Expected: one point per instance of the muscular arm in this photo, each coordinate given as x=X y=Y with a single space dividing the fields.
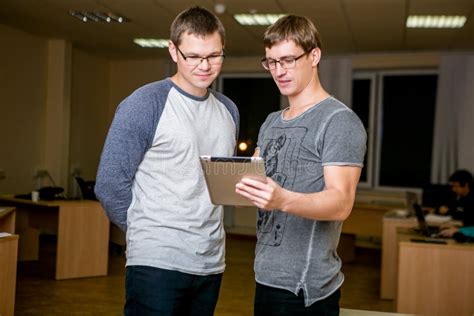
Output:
x=334 y=203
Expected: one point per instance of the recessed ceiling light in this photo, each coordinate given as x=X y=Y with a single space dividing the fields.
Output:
x=90 y=16
x=151 y=42
x=257 y=19
x=436 y=21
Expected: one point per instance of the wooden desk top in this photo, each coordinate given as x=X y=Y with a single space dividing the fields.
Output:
x=8 y=238
x=10 y=199
x=375 y=206
x=4 y=211
x=406 y=234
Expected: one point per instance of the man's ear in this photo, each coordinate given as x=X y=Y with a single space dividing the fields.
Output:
x=173 y=51
x=316 y=56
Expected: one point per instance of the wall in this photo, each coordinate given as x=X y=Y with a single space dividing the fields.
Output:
x=128 y=75
x=23 y=73
x=90 y=113
x=97 y=87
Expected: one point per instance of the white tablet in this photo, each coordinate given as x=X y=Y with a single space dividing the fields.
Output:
x=223 y=173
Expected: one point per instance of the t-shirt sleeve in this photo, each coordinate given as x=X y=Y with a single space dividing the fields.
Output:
x=344 y=140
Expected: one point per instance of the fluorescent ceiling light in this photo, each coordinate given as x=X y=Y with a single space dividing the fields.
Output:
x=436 y=21
x=91 y=16
x=257 y=19
x=151 y=42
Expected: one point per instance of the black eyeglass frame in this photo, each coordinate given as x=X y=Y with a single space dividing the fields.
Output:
x=200 y=58
x=266 y=65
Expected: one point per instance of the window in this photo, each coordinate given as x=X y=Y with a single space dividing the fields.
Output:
x=256 y=96
x=399 y=125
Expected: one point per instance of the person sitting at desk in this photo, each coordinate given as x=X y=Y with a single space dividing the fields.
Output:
x=462 y=208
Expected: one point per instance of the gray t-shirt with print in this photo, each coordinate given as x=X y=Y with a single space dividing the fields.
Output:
x=292 y=252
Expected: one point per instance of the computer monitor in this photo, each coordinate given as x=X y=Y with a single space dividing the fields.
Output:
x=411 y=199
x=435 y=195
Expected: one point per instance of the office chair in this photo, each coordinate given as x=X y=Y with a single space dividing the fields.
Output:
x=87 y=188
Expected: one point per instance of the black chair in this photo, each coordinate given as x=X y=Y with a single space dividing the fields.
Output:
x=87 y=188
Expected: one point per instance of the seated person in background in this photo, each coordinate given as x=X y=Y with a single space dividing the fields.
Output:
x=462 y=208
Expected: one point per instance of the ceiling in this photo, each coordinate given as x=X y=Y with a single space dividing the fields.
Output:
x=346 y=26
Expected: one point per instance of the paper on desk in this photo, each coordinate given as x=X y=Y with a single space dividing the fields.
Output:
x=3 y=234
x=437 y=219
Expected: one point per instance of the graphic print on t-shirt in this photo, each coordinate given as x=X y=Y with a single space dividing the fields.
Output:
x=281 y=148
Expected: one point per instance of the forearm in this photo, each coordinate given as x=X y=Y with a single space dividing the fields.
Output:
x=115 y=198
x=327 y=205
x=333 y=203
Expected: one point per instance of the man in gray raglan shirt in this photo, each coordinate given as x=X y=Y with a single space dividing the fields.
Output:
x=150 y=180
x=313 y=153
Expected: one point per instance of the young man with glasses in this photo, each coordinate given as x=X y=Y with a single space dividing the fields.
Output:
x=313 y=152
x=150 y=180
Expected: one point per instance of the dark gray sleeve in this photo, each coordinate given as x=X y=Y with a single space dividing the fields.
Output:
x=344 y=140
x=129 y=137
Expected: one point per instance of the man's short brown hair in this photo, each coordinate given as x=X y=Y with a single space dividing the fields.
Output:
x=197 y=21
x=295 y=28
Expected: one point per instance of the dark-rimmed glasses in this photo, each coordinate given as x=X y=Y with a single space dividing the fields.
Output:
x=286 y=62
x=197 y=60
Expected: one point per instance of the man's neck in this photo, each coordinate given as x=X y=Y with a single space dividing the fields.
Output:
x=305 y=100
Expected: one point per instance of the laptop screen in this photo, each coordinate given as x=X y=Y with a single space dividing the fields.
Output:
x=411 y=199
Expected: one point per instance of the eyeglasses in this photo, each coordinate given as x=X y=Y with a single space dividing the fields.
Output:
x=197 y=60
x=285 y=62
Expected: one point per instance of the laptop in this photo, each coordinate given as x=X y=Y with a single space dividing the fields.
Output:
x=423 y=228
x=223 y=173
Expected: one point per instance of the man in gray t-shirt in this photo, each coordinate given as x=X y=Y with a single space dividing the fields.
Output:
x=313 y=152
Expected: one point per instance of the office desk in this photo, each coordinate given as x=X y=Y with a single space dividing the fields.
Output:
x=434 y=279
x=388 y=272
x=8 y=261
x=366 y=219
x=7 y=219
x=82 y=230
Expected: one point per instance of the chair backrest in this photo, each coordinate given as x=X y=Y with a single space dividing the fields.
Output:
x=87 y=188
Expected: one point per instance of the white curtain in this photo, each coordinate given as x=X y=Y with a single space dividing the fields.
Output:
x=453 y=145
x=336 y=77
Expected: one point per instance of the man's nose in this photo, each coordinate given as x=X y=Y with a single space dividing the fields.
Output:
x=204 y=64
x=279 y=69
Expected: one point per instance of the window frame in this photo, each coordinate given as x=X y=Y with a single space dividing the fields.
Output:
x=379 y=118
x=372 y=76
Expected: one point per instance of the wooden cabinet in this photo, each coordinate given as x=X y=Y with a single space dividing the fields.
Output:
x=8 y=261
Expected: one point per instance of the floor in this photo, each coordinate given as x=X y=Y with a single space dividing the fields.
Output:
x=39 y=294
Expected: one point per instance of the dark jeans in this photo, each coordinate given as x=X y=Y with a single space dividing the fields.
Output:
x=153 y=291
x=271 y=301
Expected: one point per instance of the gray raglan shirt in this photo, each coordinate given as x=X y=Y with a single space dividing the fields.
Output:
x=151 y=183
x=292 y=252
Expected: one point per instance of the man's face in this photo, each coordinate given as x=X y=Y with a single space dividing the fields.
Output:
x=460 y=190
x=293 y=81
x=195 y=79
